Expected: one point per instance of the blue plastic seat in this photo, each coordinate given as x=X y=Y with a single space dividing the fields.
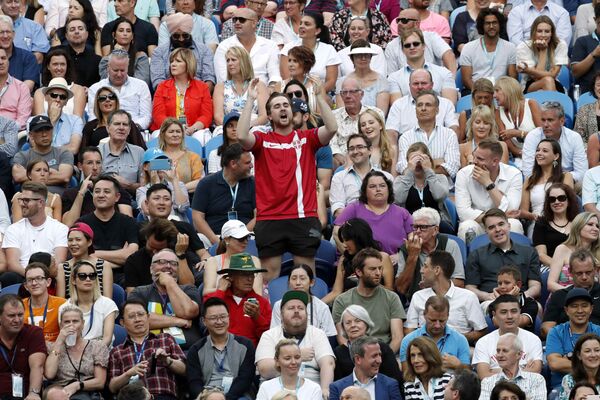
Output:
x=451 y=208
x=120 y=335
x=455 y=13
x=544 y=95
x=585 y=98
x=119 y=296
x=458 y=80
x=12 y=289
x=464 y=104
x=564 y=77
x=212 y=144
x=461 y=245
x=482 y=240
x=190 y=143
x=278 y=287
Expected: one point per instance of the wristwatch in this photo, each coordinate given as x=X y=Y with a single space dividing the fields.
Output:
x=490 y=186
x=35 y=391
x=181 y=256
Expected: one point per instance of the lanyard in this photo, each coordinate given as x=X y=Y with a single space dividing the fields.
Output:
x=233 y=193
x=222 y=362
x=5 y=355
x=164 y=301
x=77 y=369
x=297 y=384
x=587 y=330
x=91 y=320
x=443 y=340
x=491 y=59
x=139 y=353
x=44 y=317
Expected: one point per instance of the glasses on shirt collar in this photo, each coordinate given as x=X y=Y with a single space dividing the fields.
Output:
x=181 y=36
x=359 y=17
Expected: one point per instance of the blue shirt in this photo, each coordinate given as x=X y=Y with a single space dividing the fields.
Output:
x=453 y=343
x=159 y=63
x=66 y=126
x=324 y=158
x=561 y=341
x=30 y=35
x=23 y=66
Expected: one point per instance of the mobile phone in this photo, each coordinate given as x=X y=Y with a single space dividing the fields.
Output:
x=252 y=300
x=160 y=164
x=152 y=367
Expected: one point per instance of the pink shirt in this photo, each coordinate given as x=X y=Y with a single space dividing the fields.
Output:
x=436 y=23
x=15 y=101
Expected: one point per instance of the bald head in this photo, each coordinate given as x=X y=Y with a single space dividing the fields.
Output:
x=355 y=393
x=245 y=13
x=412 y=15
x=420 y=79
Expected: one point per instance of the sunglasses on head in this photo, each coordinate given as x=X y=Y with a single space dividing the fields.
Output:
x=181 y=36
x=106 y=97
x=296 y=93
x=411 y=44
x=554 y=199
x=82 y=276
x=58 y=96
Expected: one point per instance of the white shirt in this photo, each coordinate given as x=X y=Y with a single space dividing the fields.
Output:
x=4 y=214
x=134 y=97
x=325 y=56
x=465 y=313
x=441 y=76
x=472 y=199
x=442 y=143
x=403 y=114
x=283 y=33
x=30 y=239
x=485 y=348
x=309 y=390
x=590 y=192
x=264 y=56
x=435 y=48
x=520 y=19
x=369 y=386
x=378 y=62
x=103 y=308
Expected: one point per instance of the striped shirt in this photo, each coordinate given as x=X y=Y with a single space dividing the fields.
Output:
x=534 y=385
x=435 y=391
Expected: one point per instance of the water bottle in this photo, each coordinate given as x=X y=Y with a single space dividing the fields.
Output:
x=470 y=235
x=576 y=93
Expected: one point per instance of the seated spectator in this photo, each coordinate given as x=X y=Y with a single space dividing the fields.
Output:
x=464 y=385
x=581 y=390
x=424 y=373
x=115 y=234
x=366 y=355
x=583 y=235
x=17 y=102
x=361 y=29
x=41 y=309
x=34 y=12
x=374 y=85
x=375 y=205
x=96 y=130
x=8 y=135
x=509 y=350
x=586 y=124
x=21 y=63
x=403 y=113
x=72 y=348
x=384 y=154
x=230 y=96
x=506 y=312
x=27 y=347
x=83 y=11
x=35 y=232
x=80 y=244
x=582 y=265
x=521 y=19
x=287 y=359
x=345 y=185
x=133 y=93
x=481 y=125
x=414 y=51
x=180 y=29
x=484 y=262
x=506 y=388
x=78 y=201
x=58 y=64
x=263 y=52
x=169 y=101
x=130 y=362
x=222 y=358
x=561 y=206
x=584 y=368
x=38 y=171
x=453 y=346
x=211 y=206
x=77 y=36
x=203 y=30
x=145 y=32
x=173 y=307
x=465 y=27
x=302 y=277
x=585 y=20
x=57 y=278
x=512 y=128
x=590 y=196
x=150 y=177
x=482 y=93
x=560 y=343
x=251 y=316
x=372 y=296
x=483 y=185
x=28 y=35
x=124 y=39
x=229 y=135
x=464 y=315
x=424 y=240
x=584 y=64
x=286 y=29
x=99 y=312
x=265 y=25
x=342 y=19
x=319 y=364
x=59 y=12
x=547 y=170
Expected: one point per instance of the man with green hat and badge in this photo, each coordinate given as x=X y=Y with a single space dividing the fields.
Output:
x=249 y=312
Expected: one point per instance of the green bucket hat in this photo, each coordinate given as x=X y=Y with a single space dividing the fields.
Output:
x=241 y=262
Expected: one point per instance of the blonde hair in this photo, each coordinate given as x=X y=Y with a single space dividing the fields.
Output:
x=246 y=69
x=162 y=144
x=102 y=118
x=384 y=142
x=283 y=343
x=187 y=56
x=73 y=290
x=69 y=308
x=574 y=239
x=513 y=93
x=487 y=116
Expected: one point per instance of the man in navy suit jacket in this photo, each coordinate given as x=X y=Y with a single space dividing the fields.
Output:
x=367 y=359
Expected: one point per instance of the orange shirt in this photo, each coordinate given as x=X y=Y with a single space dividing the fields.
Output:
x=50 y=326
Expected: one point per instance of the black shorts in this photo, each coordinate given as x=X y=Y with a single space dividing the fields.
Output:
x=301 y=237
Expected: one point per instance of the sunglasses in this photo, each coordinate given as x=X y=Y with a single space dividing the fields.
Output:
x=181 y=36
x=296 y=93
x=554 y=199
x=106 y=97
x=58 y=96
x=411 y=44
x=82 y=276
x=405 y=20
x=241 y=20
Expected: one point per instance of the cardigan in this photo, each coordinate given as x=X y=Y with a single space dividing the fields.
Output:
x=197 y=103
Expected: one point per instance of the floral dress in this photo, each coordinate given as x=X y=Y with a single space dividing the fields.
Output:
x=380 y=35
x=233 y=101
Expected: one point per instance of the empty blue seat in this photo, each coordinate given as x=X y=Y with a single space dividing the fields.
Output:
x=585 y=98
x=482 y=240
x=278 y=287
x=544 y=95
x=465 y=103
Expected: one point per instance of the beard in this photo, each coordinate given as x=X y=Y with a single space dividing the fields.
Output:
x=186 y=44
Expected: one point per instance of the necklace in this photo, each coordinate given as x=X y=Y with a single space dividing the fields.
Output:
x=561 y=226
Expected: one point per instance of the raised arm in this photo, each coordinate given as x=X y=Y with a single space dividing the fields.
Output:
x=243 y=130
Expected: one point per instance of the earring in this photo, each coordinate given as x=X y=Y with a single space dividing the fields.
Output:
x=226 y=243
x=554 y=164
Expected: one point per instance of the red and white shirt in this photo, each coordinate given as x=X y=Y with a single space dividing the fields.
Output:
x=286 y=174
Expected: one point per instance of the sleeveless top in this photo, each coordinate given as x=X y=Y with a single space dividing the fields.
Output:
x=99 y=270
x=537 y=195
x=526 y=124
x=233 y=101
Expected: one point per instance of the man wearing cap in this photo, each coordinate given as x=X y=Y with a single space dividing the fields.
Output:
x=264 y=53
x=264 y=27
x=562 y=338
x=203 y=30
x=318 y=360
x=21 y=64
x=180 y=28
x=173 y=308
x=59 y=160
x=146 y=37
x=250 y=313
x=68 y=128
x=225 y=194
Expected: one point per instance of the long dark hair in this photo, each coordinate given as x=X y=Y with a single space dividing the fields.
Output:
x=132 y=49
x=309 y=272
x=359 y=231
x=577 y=368
x=324 y=36
x=578 y=385
x=89 y=17
x=70 y=74
x=557 y=172
x=572 y=208
x=509 y=386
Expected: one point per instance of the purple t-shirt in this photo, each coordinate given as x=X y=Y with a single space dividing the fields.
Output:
x=390 y=228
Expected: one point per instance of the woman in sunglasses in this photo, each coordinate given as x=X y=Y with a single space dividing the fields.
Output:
x=547 y=169
x=79 y=242
x=234 y=240
x=553 y=226
x=381 y=34
x=124 y=39
x=99 y=312
x=94 y=131
x=584 y=234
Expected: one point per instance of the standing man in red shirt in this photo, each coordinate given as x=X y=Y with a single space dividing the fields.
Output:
x=286 y=180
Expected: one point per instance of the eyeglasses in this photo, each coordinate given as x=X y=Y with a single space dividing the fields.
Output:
x=106 y=97
x=181 y=36
x=357 y=147
x=422 y=227
x=27 y=200
x=296 y=93
x=82 y=276
x=491 y=23
x=405 y=20
x=215 y=318
x=58 y=96
x=552 y=104
x=560 y=199
x=37 y=279
x=411 y=44
x=241 y=20
x=349 y=92
x=136 y=315
x=163 y=262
